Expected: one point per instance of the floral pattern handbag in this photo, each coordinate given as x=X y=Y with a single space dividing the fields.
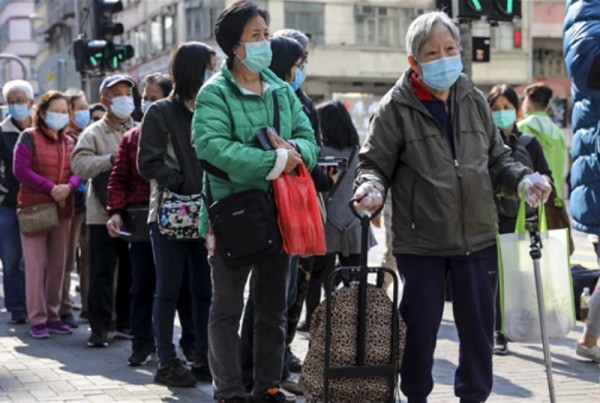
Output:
x=178 y=215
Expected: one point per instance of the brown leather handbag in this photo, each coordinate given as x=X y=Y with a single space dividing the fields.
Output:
x=557 y=218
x=38 y=219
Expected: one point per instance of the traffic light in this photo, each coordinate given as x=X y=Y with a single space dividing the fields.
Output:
x=492 y=10
x=104 y=26
x=99 y=55
x=506 y=10
x=117 y=54
x=472 y=9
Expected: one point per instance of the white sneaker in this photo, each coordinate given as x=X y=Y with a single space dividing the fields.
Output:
x=291 y=385
x=591 y=353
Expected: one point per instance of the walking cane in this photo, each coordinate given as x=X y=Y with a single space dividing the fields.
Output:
x=535 y=251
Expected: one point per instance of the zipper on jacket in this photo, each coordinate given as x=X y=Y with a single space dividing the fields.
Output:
x=462 y=203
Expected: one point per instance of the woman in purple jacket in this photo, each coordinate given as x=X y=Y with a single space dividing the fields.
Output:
x=42 y=165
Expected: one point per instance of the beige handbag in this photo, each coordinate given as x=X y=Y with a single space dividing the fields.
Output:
x=38 y=219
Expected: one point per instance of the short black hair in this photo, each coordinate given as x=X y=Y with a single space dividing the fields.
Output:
x=503 y=90
x=160 y=79
x=285 y=53
x=188 y=66
x=336 y=125
x=97 y=107
x=231 y=22
x=539 y=94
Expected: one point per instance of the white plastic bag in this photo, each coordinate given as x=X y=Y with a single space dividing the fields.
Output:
x=518 y=296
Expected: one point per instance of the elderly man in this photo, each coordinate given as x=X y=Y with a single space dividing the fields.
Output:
x=92 y=159
x=18 y=94
x=433 y=141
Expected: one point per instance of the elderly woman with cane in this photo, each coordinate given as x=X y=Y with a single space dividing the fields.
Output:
x=433 y=143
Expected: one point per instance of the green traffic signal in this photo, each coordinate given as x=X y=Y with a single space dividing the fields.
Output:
x=476 y=5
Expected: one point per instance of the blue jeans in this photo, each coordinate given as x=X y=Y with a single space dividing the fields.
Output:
x=269 y=289
x=171 y=259
x=13 y=266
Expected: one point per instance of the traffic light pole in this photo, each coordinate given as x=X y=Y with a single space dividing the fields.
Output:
x=466 y=43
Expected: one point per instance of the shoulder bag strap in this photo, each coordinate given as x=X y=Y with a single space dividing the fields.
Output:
x=275 y=111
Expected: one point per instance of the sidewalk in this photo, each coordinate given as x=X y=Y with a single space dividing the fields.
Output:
x=64 y=369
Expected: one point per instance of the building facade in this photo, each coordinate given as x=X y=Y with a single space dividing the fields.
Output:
x=17 y=40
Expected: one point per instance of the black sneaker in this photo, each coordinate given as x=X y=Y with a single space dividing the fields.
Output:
x=18 y=318
x=294 y=363
x=141 y=354
x=271 y=395
x=174 y=373
x=201 y=371
x=500 y=344
x=98 y=338
x=69 y=320
x=124 y=334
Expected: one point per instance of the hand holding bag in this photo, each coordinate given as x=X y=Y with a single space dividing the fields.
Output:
x=299 y=214
x=518 y=296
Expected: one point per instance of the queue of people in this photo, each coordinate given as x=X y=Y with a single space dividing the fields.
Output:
x=134 y=199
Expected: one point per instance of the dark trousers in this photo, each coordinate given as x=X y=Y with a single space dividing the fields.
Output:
x=105 y=252
x=474 y=283
x=171 y=259
x=143 y=285
x=323 y=266
x=248 y=328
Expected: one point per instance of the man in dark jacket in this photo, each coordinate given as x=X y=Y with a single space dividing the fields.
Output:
x=18 y=94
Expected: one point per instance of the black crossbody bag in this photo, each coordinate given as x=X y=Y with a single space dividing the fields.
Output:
x=245 y=223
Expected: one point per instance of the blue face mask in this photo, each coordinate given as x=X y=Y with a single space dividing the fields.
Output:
x=504 y=119
x=207 y=75
x=82 y=118
x=298 y=80
x=258 y=56
x=145 y=105
x=18 y=111
x=122 y=106
x=441 y=74
x=304 y=70
x=56 y=121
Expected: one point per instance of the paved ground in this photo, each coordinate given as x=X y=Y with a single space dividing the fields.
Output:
x=63 y=369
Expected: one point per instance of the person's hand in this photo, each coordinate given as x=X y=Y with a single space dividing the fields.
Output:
x=294 y=158
x=370 y=198
x=278 y=142
x=535 y=188
x=333 y=173
x=60 y=192
x=114 y=226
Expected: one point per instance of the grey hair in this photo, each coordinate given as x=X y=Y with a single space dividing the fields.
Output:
x=295 y=35
x=419 y=30
x=18 y=85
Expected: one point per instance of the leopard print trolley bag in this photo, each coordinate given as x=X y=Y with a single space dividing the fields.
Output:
x=356 y=337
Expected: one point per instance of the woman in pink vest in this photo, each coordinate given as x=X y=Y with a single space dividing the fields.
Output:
x=42 y=159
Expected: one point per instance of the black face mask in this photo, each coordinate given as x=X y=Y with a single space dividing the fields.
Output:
x=594 y=76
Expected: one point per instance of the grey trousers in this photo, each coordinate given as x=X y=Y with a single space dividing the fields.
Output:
x=269 y=289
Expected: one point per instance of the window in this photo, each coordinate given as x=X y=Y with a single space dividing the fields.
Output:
x=548 y=62
x=141 y=41
x=200 y=18
x=502 y=37
x=156 y=37
x=383 y=26
x=306 y=17
x=170 y=36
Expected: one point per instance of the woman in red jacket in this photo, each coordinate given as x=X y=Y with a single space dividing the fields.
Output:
x=42 y=165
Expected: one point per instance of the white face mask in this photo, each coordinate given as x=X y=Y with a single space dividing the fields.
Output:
x=56 y=121
x=122 y=107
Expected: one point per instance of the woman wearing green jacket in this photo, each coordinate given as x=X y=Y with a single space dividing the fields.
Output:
x=230 y=109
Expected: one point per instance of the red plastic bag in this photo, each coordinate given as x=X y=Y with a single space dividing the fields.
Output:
x=298 y=213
